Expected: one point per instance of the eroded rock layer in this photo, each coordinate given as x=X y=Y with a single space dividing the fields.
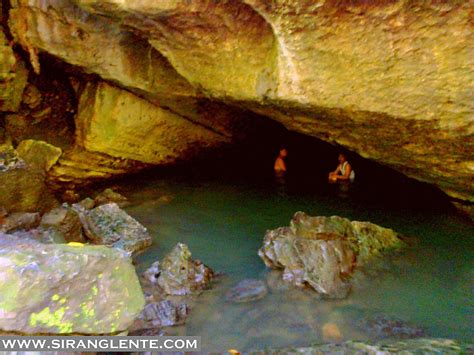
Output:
x=391 y=80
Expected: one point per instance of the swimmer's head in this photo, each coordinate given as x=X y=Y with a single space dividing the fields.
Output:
x=342 y=158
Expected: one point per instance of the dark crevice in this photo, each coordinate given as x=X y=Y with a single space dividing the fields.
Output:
x=4 y=19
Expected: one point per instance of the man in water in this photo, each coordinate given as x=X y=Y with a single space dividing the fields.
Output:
x=343 y=171
x=280 y=165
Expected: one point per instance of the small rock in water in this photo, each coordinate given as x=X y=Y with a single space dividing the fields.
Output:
x=247 y=291
x=109 y=225
x=109 y=196
x=181 y=275
x=165 y=313
x=171 y=288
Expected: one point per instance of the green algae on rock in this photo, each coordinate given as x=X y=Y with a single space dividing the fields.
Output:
x=322 y=251
x=64 y=289
x=38 y=154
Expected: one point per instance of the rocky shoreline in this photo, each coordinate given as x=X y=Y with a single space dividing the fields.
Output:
x=93 y=243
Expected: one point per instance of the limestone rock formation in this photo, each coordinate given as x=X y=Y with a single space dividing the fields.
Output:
x=63 y=289
x=322 y=251
x=108 y=196
x=181 y=275
x=171 y=288
x=109 y=225
x=13 y=74
x=22 y=185
x=118 y=123
x=19 y=221
x=375 y=77
x=39 y=155
x=65 y=221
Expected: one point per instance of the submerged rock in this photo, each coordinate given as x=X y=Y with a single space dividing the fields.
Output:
x=181 y=275
x=322 y=251
x=165 y=313
x=64 y=289
x=247 y=291
x=381 y=327
x=109 y=225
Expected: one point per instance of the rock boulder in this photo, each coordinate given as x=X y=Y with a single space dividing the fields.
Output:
x=63 y=289
x=109 y=225
x=322 y=251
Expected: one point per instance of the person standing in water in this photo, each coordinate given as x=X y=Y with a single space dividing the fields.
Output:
x=280 y=164
x=343 y=171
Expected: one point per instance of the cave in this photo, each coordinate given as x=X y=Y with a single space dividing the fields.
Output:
x=264 y=176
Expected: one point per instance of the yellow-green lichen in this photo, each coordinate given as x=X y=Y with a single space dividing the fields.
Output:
x=51 y=319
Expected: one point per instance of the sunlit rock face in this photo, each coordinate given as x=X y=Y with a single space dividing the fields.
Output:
x=391 y=80
x=64 y=289
x=13 y=74
x=116 y=122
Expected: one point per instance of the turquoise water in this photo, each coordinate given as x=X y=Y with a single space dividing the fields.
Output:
x=223 y=221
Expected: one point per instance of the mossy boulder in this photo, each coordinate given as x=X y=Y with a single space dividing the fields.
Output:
x=66 y=289
x=322 y=252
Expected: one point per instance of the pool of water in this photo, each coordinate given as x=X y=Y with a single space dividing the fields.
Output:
x=223 y=220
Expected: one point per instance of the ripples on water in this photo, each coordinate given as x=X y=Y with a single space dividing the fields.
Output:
x=223 y=220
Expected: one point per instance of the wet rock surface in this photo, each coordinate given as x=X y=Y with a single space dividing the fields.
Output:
x=180 y=275
x=322 y=251
x=171 y=288
x=63 y=289
x=109 y=225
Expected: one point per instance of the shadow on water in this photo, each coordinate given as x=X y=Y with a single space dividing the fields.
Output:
x=222 y=208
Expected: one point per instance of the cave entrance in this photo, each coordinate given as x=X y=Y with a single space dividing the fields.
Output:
x=309 y=162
